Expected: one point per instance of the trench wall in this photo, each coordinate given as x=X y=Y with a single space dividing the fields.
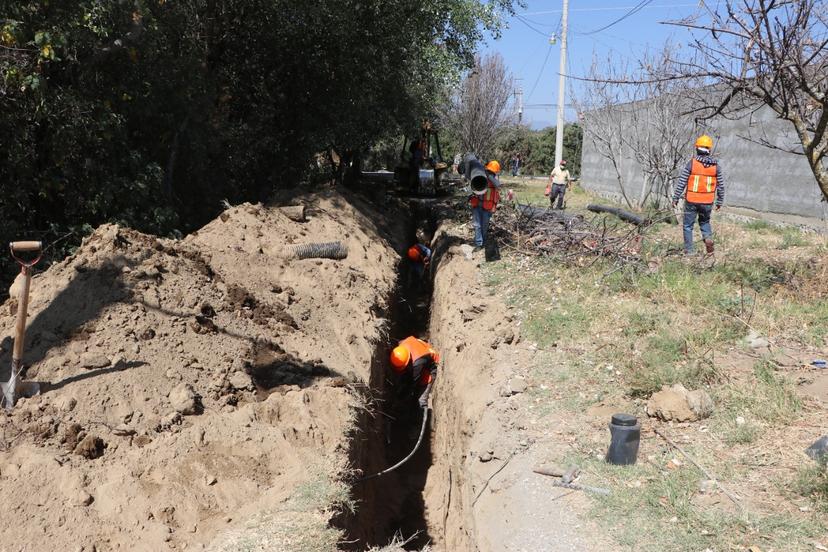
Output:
x=467 y=327
x=758 y=178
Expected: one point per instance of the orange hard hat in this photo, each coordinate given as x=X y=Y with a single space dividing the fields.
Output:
x=414 y=253
x=704 y=141
x=493 y=166
x=400 y=357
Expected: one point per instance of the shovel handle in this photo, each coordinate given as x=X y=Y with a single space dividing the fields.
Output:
x=20 y=246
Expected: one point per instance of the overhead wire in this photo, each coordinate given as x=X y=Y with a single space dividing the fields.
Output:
x=540 y=74
x=531 y=26
x=633 y=11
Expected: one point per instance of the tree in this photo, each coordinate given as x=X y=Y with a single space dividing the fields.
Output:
x=150 y=113
x=770 y=53
x=603 y=122
x=638 y=116
x=478 y=110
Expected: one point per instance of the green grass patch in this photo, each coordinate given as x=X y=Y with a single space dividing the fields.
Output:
x=653 y=511
x=812 y=482
x=791 y=237
x=769 y=397
x=759 y=225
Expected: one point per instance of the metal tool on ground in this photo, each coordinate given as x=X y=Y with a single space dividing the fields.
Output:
x=407 y=458
x=566 y=480
x=11 y=388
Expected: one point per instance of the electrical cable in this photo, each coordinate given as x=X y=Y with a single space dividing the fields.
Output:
x=633 y=11
x=404 y=460
x=528 y=24
x=543 y=67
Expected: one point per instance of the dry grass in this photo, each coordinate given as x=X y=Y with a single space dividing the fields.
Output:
x=614 y=339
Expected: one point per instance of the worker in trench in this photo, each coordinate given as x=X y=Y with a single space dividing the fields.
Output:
x=700 y=184
x=415 y=363
x=484 y=204
x=419 y=256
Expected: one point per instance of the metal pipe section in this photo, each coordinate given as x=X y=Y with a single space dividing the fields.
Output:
x=475 y=173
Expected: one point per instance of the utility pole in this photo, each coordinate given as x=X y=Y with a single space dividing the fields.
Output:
x=519 y=94
x=561 y=88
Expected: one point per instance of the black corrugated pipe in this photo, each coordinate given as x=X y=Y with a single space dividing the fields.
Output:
x=475 y=173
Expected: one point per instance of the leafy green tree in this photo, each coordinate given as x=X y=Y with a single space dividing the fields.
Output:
x=151 y=112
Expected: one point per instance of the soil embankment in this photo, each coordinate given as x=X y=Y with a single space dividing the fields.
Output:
x=191 y=386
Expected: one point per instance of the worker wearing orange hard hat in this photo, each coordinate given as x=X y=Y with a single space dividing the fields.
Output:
x=418 y=359
x=485 y=203
x=701 y=185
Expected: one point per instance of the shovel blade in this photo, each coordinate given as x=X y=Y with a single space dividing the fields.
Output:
x=8 y=389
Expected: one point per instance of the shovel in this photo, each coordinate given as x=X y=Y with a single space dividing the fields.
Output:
x=11 y=387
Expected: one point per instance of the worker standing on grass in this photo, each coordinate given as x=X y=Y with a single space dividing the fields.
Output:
x=416 y=357
x=700 y=184
x=559 y=180
x=485 y=204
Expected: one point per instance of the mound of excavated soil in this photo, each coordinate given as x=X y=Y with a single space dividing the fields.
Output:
x=188 y=385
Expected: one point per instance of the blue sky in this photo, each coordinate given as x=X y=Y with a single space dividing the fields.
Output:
x=524 y=44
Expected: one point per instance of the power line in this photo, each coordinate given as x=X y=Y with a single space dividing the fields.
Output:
x=609 y=8
x=528 y=24
x=537 y=80
x=633 y=11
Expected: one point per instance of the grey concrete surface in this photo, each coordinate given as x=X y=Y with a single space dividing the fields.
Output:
x=758 y=178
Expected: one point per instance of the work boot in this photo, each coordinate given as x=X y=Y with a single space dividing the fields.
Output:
x=708 y=244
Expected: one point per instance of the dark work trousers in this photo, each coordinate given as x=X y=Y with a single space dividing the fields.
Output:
x=558 y=191
x=691 y=212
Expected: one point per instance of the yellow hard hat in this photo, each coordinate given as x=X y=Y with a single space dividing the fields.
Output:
x=704 y=141
x=493 y=166
x=400 y=358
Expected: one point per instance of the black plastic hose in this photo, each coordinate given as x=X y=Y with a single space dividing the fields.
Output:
x=407 y=458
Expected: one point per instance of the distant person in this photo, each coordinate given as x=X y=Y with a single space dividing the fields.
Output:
x=483 y=205
x=456 y=165
x=417 y=151
x=416 y=359
x=700 y=184
x=559 y=180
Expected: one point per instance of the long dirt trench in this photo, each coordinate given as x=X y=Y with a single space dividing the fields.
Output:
x=198 y=393
x=431 y=499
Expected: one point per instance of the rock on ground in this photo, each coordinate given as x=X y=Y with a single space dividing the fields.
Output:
x=678 y=404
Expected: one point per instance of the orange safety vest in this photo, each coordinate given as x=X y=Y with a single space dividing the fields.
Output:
x=418 y=349
x=701 y=186
x=490 y=198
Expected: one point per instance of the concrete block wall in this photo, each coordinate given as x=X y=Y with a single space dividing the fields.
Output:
x=757 y=178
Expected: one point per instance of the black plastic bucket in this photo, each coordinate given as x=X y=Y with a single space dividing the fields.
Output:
x=625 y=433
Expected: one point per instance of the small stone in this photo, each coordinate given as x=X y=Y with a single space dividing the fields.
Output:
x=184 y=399
x=819 y=449
x=65 y=403
x=485 y=457
x=94 y=360
x=517 y=385
x=740 y=421
x=524 y=443
x=707 y=485
x=241 y=381
x=90 y=447
x=467 y=251
x=210 y=480
x=83 y=498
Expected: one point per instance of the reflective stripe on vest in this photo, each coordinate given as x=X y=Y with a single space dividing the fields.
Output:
x=418 y=349
x=701 y=186
x=490 y=198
